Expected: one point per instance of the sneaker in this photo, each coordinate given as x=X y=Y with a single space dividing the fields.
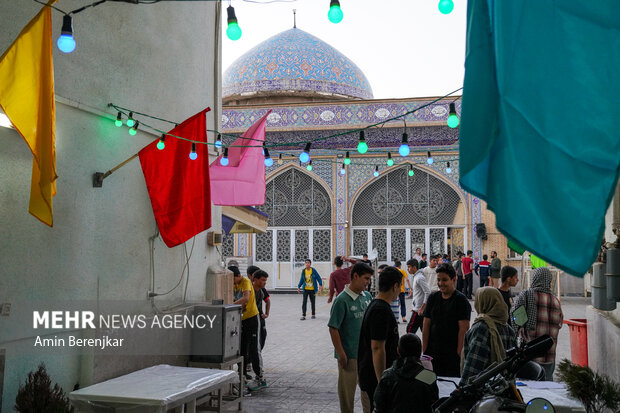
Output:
x=258 y=384
x=313 y=316
x=303 y=317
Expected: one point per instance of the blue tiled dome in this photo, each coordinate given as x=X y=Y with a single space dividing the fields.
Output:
x=295 y=62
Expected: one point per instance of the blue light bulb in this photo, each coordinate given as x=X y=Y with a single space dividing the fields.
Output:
x=404 y=150
x=66 y=43
x=375 y=173
x=304 y=157
x=218 y=142
x=429 y=161
x=193 y=156
x=449 y=170
x=268 y=162
x=224 y=158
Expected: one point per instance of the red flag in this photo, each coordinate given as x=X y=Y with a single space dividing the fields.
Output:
x=178 y=186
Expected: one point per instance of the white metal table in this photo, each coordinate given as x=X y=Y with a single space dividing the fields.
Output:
x=156 y=389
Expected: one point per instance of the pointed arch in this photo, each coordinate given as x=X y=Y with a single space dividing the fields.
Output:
x=295 y=197
x=405 y=198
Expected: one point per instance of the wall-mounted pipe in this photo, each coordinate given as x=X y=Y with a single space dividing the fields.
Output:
x=613 y=274
x=599 y=289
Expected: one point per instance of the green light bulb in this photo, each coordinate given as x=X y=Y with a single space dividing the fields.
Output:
x=410 y=172
x=233 y=31
x=335 y=14
x=118 y=123
x=161 y=145
x=362 y=147
x=309 y=167
x=130 y=122
x=446 y=6
x=347 y=161
x=453 y=121
x=390 y=162
x=132 y=131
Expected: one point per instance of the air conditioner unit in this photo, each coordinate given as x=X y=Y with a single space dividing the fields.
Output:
x=214 y=238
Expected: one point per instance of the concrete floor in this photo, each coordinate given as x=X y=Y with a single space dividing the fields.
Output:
x=300 y=365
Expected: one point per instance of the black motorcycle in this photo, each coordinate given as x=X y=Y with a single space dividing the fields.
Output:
x=494 y=389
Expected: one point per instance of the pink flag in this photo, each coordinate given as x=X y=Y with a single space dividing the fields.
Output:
x=242 y=181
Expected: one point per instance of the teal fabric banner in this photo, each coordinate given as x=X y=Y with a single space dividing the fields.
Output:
x=538 y=140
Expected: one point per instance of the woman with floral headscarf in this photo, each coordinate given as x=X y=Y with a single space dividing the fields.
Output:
x=488 y=339
x=544 y=315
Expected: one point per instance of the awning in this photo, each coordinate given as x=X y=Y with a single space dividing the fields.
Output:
x=243 y=220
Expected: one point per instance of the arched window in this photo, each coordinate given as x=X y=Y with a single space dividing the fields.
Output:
x=398 y=213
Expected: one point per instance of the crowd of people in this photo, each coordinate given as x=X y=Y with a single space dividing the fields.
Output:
x=395 y=372
x=392 y=371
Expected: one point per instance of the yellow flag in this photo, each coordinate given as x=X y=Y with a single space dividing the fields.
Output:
x=27 y=98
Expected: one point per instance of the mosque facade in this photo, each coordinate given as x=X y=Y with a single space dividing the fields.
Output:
x=318 y=95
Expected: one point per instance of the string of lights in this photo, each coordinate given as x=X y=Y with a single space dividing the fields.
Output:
x=362 y=144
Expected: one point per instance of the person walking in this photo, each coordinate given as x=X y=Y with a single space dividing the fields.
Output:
x=488 y=339
x=446 y=319
x=544 y=315
x=401 y=296
x=420 y=292
x=468 y=276
x=345 y=322
x=311 y=281
x=510 y=278
x=418 y=255
x=483 y=269
x=378 y=336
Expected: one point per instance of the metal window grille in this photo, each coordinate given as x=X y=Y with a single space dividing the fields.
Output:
x=302 y=245
x=228 y=245
x=283 y=245
x=400 y=199
x=321 y=245
x=264 y=247
x=379 y=241
x=418 y=240
x=294 y=198
x=399 y=244
x=360 y=242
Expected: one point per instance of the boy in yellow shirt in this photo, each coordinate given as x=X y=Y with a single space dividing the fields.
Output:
x=244 y=296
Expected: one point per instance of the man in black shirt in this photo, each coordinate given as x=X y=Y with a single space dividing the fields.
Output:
x=378 y=336
x=510 y=278
x=446 y=320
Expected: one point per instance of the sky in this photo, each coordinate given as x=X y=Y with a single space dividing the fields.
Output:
x=406 y=48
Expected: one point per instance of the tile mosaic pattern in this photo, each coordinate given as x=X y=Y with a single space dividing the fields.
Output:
x=341 y=115
x=295 y=60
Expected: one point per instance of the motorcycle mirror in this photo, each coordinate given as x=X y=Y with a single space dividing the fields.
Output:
x=519 y=316
x=539 y=405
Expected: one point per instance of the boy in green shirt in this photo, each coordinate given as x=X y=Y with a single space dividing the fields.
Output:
x=344 y=324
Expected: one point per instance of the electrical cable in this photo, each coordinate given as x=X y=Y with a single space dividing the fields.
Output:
x=273 y=145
